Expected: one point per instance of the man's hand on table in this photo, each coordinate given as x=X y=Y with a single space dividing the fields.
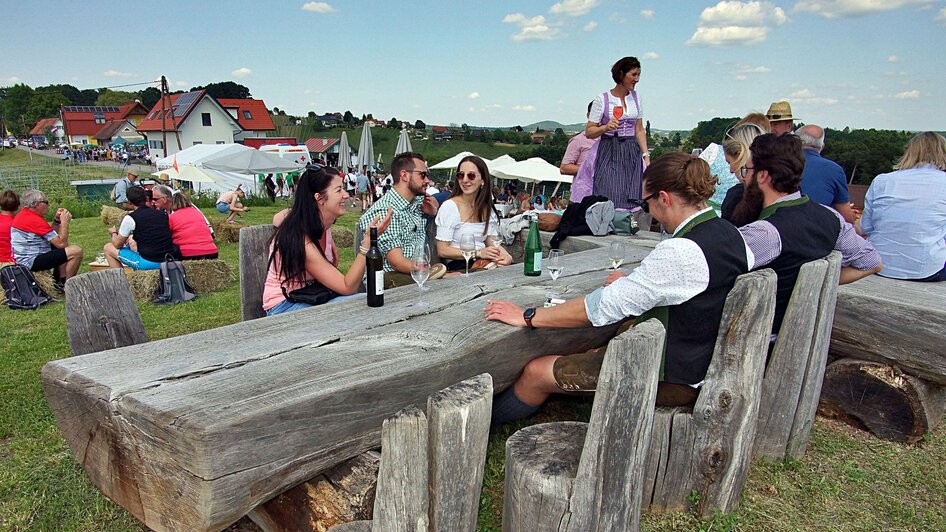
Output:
x=614 y=276
x=505 y=312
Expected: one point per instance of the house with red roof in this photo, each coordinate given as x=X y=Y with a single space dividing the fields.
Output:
x=134 y=112
x=115 y=129
x=198 y=118
x=82 y=122
x=48 y=125
x=322 y=148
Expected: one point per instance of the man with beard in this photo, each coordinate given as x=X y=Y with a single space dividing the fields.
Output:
x=789 y=229
x=409 y=203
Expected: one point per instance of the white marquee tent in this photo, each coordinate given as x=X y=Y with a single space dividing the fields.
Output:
x=228 y=164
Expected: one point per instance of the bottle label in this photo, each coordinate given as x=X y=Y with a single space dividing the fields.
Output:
x=379 y=283
x=537 y=261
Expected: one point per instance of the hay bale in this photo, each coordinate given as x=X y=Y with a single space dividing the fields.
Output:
x=208 y=275
x=112 y=215
x=224 y=232
x=343 y=237
x=142 y=283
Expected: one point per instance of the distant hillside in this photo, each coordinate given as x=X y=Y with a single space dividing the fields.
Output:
x=551 y=125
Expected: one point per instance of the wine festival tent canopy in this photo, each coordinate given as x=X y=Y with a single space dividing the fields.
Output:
x=227 y=165
x=533 y=170
x=365 y=147
x=344 y=153
x=451 y=163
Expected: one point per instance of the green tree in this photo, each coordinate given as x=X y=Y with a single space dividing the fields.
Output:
x=419 y=124
x=675 y=140
x=44 y=105
x=226 y=89
x=16 y=102
x=149 y=97
x=349 y=118
x=110 y=97
x=499 y=135
x=72 y=94
x=87 y=97
x=559 y=138
x=709 y=131
x=394 y=122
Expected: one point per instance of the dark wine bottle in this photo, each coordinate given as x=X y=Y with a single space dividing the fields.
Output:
x=375 y=266
x=533 y=251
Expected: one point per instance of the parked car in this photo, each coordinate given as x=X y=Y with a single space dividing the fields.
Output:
x=9 y=143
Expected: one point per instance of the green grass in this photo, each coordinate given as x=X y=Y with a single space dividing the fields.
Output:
x=848 y=480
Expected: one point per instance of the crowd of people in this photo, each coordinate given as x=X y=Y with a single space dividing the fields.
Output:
x=121 y=154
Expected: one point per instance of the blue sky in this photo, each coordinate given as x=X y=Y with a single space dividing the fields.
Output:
x=858 y=63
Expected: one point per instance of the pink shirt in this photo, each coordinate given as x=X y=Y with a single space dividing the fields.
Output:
x=577 y=150
x=6 y=251
x=272 y=289
x=190 y=232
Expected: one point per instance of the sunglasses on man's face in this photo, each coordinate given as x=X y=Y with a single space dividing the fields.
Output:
x=468 y=176
x=642 y=203
x=423 y=173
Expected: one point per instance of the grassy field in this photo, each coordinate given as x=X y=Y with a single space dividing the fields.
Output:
x=847 y=481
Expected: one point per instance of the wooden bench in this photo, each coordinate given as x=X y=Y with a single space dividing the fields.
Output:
x=254 y=264
x=101 y=313
x=795 y=369
x=890 y=336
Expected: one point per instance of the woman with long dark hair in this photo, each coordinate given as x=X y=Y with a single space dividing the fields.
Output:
x=470 y=211
x=303 y=253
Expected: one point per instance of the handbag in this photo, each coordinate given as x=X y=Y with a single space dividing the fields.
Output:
x=624 y=223
x=314 y=293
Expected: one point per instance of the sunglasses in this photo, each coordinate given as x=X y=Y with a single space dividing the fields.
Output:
x=423 y=173
x=468 y=176
x=46 y=201
x=780 y=117
x=642 y=203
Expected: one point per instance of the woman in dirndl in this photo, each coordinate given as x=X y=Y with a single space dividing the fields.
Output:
x=622 y=149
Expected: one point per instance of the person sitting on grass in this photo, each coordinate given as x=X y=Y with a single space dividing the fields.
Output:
x=229 y=202
x=40 y=246
x=190 y=230
x=152 y=242
x=303 y=253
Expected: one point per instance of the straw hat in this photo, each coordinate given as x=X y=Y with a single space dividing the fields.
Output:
x=131 y=173
x=779 y=111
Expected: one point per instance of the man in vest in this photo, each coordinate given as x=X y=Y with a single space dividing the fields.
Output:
x=683 y=283
x=121 y=190
x=791 y=230
x=152 y=236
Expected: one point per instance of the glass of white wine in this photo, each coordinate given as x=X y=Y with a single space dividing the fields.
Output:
x=616 y=254
x=556 y=263
x=467 y=249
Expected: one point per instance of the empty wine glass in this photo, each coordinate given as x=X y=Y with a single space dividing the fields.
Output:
x=616 y=254
x=556 y=263
x=467 y=249
x=420 y=270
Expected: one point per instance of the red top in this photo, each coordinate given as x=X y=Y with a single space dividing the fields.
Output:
x=190 y=232
x=29 y=221
x=6 y=252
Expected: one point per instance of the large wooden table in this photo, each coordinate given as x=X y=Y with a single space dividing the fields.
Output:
x=191 y=433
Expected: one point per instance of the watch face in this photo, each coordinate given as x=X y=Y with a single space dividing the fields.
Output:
x=529 y=313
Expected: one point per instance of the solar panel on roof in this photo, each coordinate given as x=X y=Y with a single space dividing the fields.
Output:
x=184 y=103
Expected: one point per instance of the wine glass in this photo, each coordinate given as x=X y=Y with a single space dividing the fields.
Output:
x=556 y=263
x=618 y=112
x=616 y=254
x=467 y=249
x=420 y=270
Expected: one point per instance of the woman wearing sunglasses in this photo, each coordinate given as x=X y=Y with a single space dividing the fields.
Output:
x=470 y=211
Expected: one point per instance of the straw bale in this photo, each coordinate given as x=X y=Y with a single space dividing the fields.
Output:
x=142 y=283
x=112 y=215
x=224 y=232
x=343 y=237
x=204 y=276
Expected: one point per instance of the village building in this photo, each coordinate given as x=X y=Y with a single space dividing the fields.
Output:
x=198 y=118
x=49 y=125
x=325 y=148
x=118 y=131
x=82 y=123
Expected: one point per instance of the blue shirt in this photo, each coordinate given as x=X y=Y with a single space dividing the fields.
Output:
x=362 y=182
x=823 y=180
x=905 y=217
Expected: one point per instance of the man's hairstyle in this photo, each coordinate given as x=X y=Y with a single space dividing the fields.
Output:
x=9 y=201
x=808 y=140
x=622 y=67
x=137 y=196
x=782 y=157
x=925 y=148
x=680 y=173
x=164 y=190
x=31 y=198
x=404 y=161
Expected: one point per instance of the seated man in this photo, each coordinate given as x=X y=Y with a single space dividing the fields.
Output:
x=407 y=230
x=684 y=283
x=40 y=246
x=791 y=230
x=152 y=240
x=121 y=191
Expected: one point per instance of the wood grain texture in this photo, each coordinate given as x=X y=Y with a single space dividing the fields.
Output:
x=254 y=260
x=817 y=361
x=101 y=313
x=893 y=321
x=341 y=494
x=401 y=503
x=353 y=526
x=788 y=363
x=188 y=433
x=458 y=420
x=892 y=405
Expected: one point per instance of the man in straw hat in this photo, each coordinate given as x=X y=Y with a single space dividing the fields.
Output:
x=120 y=192
x=780 y=116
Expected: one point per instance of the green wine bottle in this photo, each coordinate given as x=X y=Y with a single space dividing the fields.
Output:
x=533 y=251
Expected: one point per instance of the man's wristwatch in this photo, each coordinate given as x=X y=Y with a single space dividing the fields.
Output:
x=528 y=315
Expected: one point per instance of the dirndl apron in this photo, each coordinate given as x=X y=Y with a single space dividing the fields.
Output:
x=619 y=164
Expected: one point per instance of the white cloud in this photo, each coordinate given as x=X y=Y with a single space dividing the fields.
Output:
x=941 y=15
x=12 y=80
x=532 y=29
x=652 y=56
x=117 y=74
x=907 y=95
x=318 y=7
x=617 y=17
x=853 y=8
x=590 y=26
x=573 y=8
x=181 y=84
x=892 y=59
x=808 y=97
x=241 y=72
x=754 y=70
x=648 y=14
x=735 y=23
x=473 y=95
x=526 y=108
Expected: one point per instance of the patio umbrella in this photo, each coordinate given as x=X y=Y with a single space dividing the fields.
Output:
x=451 y=163
x=344 y=153
x=251 y=162
x=196 y=174
x=365 y=147
x=403 y=143
x=533 y=170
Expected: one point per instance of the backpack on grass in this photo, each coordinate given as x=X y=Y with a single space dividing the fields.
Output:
x=21 y=289
x=172 y=284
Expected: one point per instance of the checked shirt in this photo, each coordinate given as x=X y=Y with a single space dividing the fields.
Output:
x=407 y=228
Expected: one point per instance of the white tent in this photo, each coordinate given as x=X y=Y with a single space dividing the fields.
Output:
x=498 y=163
x=228 y=165
x=451 y=163
x=365 y=147
x=533 y=170
x=403 y=143
x=344 y=153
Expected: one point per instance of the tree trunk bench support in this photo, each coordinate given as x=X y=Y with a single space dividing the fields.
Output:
x=189 y=433
x=795 y=370
x=101 y=313
x=254 y=263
